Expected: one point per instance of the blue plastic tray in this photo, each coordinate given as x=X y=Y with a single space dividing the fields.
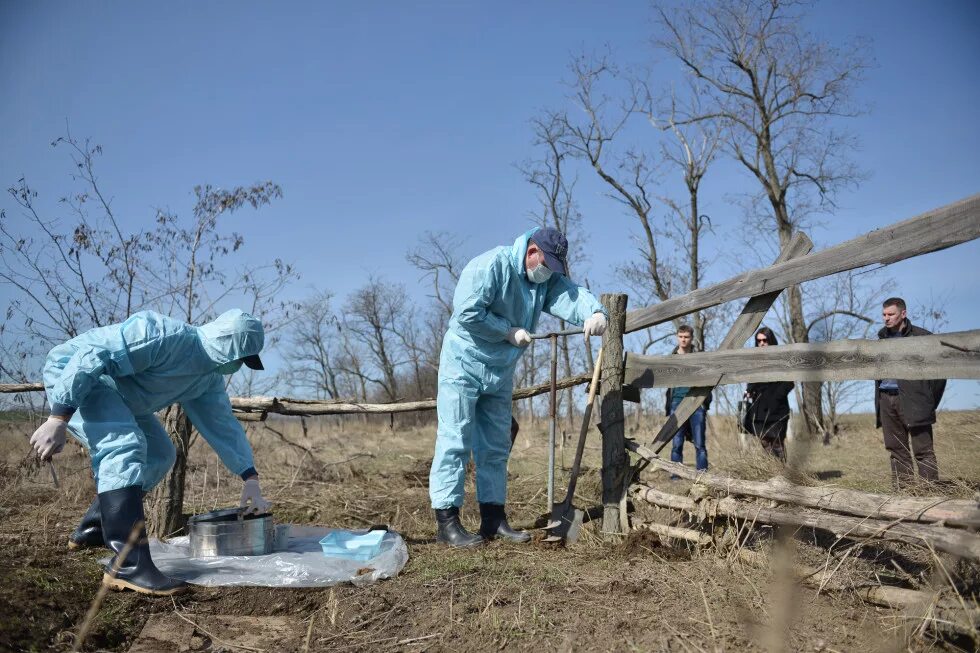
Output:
x=353 y=546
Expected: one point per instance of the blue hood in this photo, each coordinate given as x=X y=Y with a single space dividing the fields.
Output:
x=231 y=336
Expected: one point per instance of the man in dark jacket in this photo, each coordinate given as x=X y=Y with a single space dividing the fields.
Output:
x=906 y=410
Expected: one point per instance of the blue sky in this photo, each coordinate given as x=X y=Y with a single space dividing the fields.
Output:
x=382 y=120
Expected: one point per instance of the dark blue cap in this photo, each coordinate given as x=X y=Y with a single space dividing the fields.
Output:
x=554 y=245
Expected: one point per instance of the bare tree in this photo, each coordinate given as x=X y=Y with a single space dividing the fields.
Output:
x=845 y=306
x=630 y=176
x=777 y=93
x=73 y=274
x=352 y=363
x=421 y=358
x=594 y=135
x=374 y=314
x=690 y=150
x=554 y=185
x=437 y=258
x=315 y=348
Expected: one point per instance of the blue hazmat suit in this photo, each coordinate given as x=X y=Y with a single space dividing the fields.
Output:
x=115 y=377
x=476 y=367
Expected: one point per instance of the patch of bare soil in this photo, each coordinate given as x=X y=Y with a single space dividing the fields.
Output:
x=635 y=594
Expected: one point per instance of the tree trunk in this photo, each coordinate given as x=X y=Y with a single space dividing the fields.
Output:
x=811 y=407
x=694 y=262
x=165 y=513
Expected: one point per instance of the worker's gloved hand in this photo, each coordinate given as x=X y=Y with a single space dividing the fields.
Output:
x=252 y=499
x=519 y=337
x=49 y=438
x=595 y=325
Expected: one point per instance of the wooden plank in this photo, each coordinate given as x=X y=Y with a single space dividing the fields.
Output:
x=743 y=328
x=669 y=533
x=615 y=462
x=957 y=542
x=945 y=356
x=290 y=406
x=925 y=510
x=930 y=232
x=21 y=387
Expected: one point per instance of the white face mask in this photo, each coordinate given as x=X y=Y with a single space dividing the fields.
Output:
x=230 y=367
x=540 y=274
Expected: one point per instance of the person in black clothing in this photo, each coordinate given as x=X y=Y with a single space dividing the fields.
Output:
x=906 y=410
x=767 y=415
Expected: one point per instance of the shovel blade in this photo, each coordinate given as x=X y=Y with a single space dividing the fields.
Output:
x=569 y=528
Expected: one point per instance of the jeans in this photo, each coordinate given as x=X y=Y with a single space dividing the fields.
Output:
x=694 y=430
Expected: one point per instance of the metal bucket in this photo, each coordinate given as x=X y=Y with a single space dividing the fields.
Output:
x=229 y=533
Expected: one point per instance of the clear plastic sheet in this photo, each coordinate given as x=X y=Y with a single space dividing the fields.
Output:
x=300 y=563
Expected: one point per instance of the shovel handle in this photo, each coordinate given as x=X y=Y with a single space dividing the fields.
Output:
x=586 y=419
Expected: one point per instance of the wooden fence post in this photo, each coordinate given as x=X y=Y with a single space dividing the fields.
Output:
x=615 y=462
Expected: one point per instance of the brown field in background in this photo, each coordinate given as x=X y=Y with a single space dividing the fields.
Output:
x=635 y=594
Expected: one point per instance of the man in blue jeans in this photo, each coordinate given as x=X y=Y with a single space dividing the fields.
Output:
x=693 y=429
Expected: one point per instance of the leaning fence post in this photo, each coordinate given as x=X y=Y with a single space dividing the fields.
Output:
x=614 y=459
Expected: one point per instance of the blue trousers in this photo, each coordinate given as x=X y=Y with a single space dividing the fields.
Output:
x=125 y=449
x=694 y=430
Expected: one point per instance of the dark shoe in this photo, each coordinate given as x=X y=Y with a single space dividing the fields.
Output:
x=89 y=531
x=122 y=513
x=451 y=531
x=493 y=523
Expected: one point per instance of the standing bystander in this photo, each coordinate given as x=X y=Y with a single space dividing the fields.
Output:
x=694 y=428
x=906 y=410
x=767 y=416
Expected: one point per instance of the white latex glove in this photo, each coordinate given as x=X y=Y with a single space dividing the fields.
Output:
x=49 y=438
x=252 y=499
x=519 y=337
x=595 y=325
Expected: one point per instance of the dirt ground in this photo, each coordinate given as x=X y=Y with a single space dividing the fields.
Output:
x=635 y=594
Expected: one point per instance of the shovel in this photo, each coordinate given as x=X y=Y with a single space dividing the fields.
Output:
x=552 y=406
x=565 y=519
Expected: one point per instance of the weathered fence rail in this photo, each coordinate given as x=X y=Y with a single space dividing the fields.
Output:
x=932 y=231
x=307 y=407
x=945 y=356
x=925 y=510
x=951 y=355
x=957 y=542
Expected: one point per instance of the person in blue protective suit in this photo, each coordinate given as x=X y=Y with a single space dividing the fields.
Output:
x=497 y=303
x=104 y=387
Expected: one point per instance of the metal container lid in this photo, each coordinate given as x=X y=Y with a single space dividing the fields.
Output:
x=226 y=514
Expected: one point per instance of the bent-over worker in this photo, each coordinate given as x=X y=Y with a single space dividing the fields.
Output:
x=104 y=387
x=497 y=303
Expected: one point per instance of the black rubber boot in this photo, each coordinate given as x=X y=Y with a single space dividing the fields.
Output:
x=451 y=531
x=122 y=512
x=493 y=524
x=88 y=534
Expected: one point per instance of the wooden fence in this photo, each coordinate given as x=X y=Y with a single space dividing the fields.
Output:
x=954 y=355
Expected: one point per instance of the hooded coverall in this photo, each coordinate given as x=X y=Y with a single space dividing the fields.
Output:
x=119 y=375
x=476 y=367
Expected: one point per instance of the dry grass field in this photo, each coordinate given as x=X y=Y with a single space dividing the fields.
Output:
x=635 y=594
